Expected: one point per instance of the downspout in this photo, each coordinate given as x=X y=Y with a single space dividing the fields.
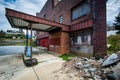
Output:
x=94 y=26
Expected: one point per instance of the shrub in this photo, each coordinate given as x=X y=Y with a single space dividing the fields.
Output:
x=114 y=41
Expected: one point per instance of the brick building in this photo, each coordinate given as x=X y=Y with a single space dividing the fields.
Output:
x=87 y=26
x=69 y=26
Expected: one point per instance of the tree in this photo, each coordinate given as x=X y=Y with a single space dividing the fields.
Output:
x=2 y=34
x=117 y=23
x=114 y=41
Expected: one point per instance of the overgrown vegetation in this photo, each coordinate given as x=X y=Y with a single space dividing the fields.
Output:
x=10 y=36
x=117 y=23
x=67 y=57
x=4 y=35
x=34 y=43
x=18 y=44
x=114 y=42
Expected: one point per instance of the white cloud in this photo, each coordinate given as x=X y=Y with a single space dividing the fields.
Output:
x=26 y=6
x=33 y=6
x=113 y=8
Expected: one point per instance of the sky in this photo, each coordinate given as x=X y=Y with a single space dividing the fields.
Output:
x=26 y=6
x=33 y=6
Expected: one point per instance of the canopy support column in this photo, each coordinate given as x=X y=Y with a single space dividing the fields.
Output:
x=31 y=40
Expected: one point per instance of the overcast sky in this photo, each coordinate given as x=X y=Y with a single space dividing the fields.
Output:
x=33 y=6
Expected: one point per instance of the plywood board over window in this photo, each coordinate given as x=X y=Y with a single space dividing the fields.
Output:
x=81 y=42
x=80 y=10
x=84 y=39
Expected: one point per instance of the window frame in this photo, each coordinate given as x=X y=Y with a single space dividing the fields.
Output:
x=61 y=19
x=58 y=1
x=80 y=4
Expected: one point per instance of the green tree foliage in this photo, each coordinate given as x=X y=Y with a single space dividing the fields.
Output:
x=2 y=34
x=117 y=23
x=114 y=41
x=20 y=35
x=10 y=36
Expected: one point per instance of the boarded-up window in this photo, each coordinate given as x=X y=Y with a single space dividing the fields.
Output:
x=81 y=37
x=81 y=10
x=87 y=39
x=79 y=40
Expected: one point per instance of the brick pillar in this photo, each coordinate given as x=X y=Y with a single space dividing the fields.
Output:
x=65 y=42
x=99 y=27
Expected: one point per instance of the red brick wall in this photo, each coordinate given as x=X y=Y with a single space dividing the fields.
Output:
x=61 y=43
x=65 y=42
x=99 y=21
x=99 y=28
x=62 y=8
x=54 y=39
x=44 y=42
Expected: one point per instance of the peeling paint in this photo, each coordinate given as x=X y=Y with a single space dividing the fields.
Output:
x=81 y=42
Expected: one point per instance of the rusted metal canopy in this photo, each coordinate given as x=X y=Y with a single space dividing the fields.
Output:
x=23 y=20
x=82 y=25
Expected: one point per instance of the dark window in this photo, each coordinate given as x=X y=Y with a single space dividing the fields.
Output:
x=60 y=19
x=44 y=15
x=81 y=10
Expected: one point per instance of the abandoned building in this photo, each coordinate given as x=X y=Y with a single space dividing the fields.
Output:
x=67 y=26
x=86 y=20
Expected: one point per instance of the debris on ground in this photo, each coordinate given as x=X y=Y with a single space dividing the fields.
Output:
x=107 y=68
x=110 y=60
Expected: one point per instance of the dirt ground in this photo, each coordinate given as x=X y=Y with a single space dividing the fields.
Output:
x=49 y=68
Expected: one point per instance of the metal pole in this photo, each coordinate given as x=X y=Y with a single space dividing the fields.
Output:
x=26 y=41
x=26 y=37
x=31 y=41
x=94 y=26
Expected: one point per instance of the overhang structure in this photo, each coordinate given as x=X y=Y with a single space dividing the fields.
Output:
x=22 y=20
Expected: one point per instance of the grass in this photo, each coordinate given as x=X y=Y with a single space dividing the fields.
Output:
x=11 y=42
x=67 y=57
x=18 y=44
x=114 y=41
x=110 y=52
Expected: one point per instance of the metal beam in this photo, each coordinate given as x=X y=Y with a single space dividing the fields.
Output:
x=34 y=19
